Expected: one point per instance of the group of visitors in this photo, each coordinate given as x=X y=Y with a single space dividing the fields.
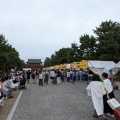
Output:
x=8 y=83
x=101 y=90
x=56 y=76
x=41 y=76
x=68 y=75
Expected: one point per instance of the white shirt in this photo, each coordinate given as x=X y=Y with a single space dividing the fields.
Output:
x=108 y=85
x=68 y=74
x=52 y=73
x=41 y=76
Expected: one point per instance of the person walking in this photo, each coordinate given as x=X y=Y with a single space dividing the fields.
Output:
x=80 y=74
x=33 y=77
x=28 y=75
x=68 y=76
x=52 y=74
x=62 y=75
x=46 y=77
x=73 y=77
x=58 y=76
x=40 y=78
x=96 y=90
x=110 y=94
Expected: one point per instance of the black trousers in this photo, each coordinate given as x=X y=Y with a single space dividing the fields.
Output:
x=107 y=108
x=68 y=79
x=46 y=81
x=41 y=82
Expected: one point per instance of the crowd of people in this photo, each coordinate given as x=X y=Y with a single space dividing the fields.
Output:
x=99 y=89
x=8 y=83
x=56 y=76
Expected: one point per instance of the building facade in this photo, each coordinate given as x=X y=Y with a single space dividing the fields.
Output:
x=34 y=64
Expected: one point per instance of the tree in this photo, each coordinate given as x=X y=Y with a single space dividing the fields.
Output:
x=47 y=62
x=88 y=46
x=108 y=39
x=9 y=56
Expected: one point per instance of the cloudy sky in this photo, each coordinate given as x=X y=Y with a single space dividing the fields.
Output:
x=38 y=28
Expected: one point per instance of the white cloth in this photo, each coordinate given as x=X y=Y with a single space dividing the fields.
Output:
x=108 y=85
x=12 y=84
x=94 y=88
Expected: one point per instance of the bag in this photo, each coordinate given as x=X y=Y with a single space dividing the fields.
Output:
x=117 y=114
x=113 y=103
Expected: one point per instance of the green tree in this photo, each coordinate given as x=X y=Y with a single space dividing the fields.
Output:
x=47 y=62
x=88 y=46
x=9 y=56
x=108 y=39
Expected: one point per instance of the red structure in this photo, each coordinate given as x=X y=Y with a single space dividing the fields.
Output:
x=34 y=64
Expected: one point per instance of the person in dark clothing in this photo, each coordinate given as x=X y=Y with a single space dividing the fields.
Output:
x=46 y=77
x=28 y=76
x=1 y=93
x=110 y=94
x=58 y=76
x=62 y=75
x=86 y=77
x=17 y=79
x=73 y=76
x=23 y=82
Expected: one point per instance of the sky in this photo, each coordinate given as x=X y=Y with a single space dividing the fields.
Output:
x=38 y=28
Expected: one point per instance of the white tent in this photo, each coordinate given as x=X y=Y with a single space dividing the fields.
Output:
x=99 y=67
x=118 y=64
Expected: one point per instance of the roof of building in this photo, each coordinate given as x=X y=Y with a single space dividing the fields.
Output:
x=34 y=60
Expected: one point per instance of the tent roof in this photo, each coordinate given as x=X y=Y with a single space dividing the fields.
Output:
x=118 y=64
x=101 y=64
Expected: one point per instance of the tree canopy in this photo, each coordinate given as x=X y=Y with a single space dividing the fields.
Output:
x=9 y=56
x=104 y=46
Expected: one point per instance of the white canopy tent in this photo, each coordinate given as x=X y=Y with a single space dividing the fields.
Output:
x=99 y=67
x=118 y=64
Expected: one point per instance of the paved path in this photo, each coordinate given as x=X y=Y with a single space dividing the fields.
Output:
x=56 y=102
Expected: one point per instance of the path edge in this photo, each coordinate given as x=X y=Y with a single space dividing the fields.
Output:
x=14 y=106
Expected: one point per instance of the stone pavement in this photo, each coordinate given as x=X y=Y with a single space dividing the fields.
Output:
x=56 y=102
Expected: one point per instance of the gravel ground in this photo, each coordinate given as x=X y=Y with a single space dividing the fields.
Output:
x=56 y=102
x=8 y=104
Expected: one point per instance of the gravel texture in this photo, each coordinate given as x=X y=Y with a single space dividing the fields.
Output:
x=56 y=102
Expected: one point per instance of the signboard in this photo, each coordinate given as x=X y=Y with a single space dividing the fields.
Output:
x=74 y=65
x=55 y=67
x=26 y=69
x=64 y=66
x=51 y=68
x=68 y=66
x=84 y=64
x=58 y=66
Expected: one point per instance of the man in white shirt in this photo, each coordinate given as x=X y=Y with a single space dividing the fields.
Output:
x=68 y=75
x=52 y=74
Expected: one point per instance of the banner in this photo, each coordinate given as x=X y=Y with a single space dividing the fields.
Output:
x=84 y=64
